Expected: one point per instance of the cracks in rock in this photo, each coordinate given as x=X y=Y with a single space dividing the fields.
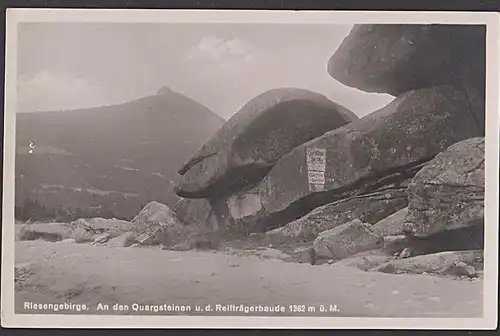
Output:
x=359 y=189
x=476 y=167
x=193 y=162
x=452 y=185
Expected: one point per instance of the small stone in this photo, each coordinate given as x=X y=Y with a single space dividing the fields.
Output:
x=425 y=273
x=184 y=246
x=144 y=238
x=406 y=253
x=135 y=245
x=123 y=240
x=330 y=261
x=462 y=269
x=70 y=240
x=101 y=238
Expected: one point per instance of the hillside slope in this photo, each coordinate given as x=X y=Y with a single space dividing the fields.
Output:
x=109 y=160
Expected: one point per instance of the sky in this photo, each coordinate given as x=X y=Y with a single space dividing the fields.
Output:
x=63 y=66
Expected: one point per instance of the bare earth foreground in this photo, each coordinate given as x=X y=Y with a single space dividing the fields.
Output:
x=89 y=275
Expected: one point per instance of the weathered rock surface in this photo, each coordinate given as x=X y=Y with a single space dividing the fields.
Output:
x=303 y=254
x=81 y=230
x=88 y=228
x=369 y=208
x=193 y=211
x=251 y=142
x=381 y=149
x=394 y=244
x=227 y=215
x=101 y=238
x=406 y=253
x=230 y=217
x=438 y=263
x=448 y=193
x=468 y=238
x=346 y=240
x=393 y=224
x=158 y=224
x=68 y=240
x=394 y=58
x=462 y=269
x=125 y=240
x=153 y=214
x=45 y=231
x=364 y=261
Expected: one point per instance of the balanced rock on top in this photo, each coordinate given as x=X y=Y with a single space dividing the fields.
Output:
x=395 y=58
x=250 y=143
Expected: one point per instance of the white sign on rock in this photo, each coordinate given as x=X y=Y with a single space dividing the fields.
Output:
x=316 y=177
x=316 y=167
x=316 y=159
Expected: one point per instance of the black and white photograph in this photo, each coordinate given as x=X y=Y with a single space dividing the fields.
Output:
x=210 y=168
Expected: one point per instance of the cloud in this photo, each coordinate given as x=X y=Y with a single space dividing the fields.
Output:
x=50 y=91
x=212 y=48
x=214 y=57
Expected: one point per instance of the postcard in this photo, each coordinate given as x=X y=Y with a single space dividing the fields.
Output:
x=250 y=169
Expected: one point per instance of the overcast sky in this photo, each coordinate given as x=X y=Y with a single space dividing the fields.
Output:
x=73 y=65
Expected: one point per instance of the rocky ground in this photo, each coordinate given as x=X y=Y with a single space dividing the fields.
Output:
x=64 y=272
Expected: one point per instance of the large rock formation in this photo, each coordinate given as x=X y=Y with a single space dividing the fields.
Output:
x=448 y=193
x=383 y=148
x=395 y=58
x=250 y=143
x=45 y=231
x=368 y=208
x=446 y=200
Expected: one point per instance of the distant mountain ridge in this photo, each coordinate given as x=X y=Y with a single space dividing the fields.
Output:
x=110 y=159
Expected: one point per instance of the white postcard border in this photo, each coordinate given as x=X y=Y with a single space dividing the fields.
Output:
x=490 y=284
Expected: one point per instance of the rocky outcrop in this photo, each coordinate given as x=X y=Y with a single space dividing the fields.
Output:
x=394 y=58
x=448 y=193
x=364 y=261
x=194 y=212
x=250 y=143
x=468 y=238
x=384 y=148
x=346 y=240
x=158 y=224
x=45 y=231
x=101 y=238
x=369 y=208
x=90 y=227
x=82 y=230
x=449 y=262
x=153 y=214
x=393 y=224
x=125 y=240
x=394 y=244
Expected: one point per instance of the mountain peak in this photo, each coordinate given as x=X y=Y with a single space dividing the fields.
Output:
x=164 y=90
